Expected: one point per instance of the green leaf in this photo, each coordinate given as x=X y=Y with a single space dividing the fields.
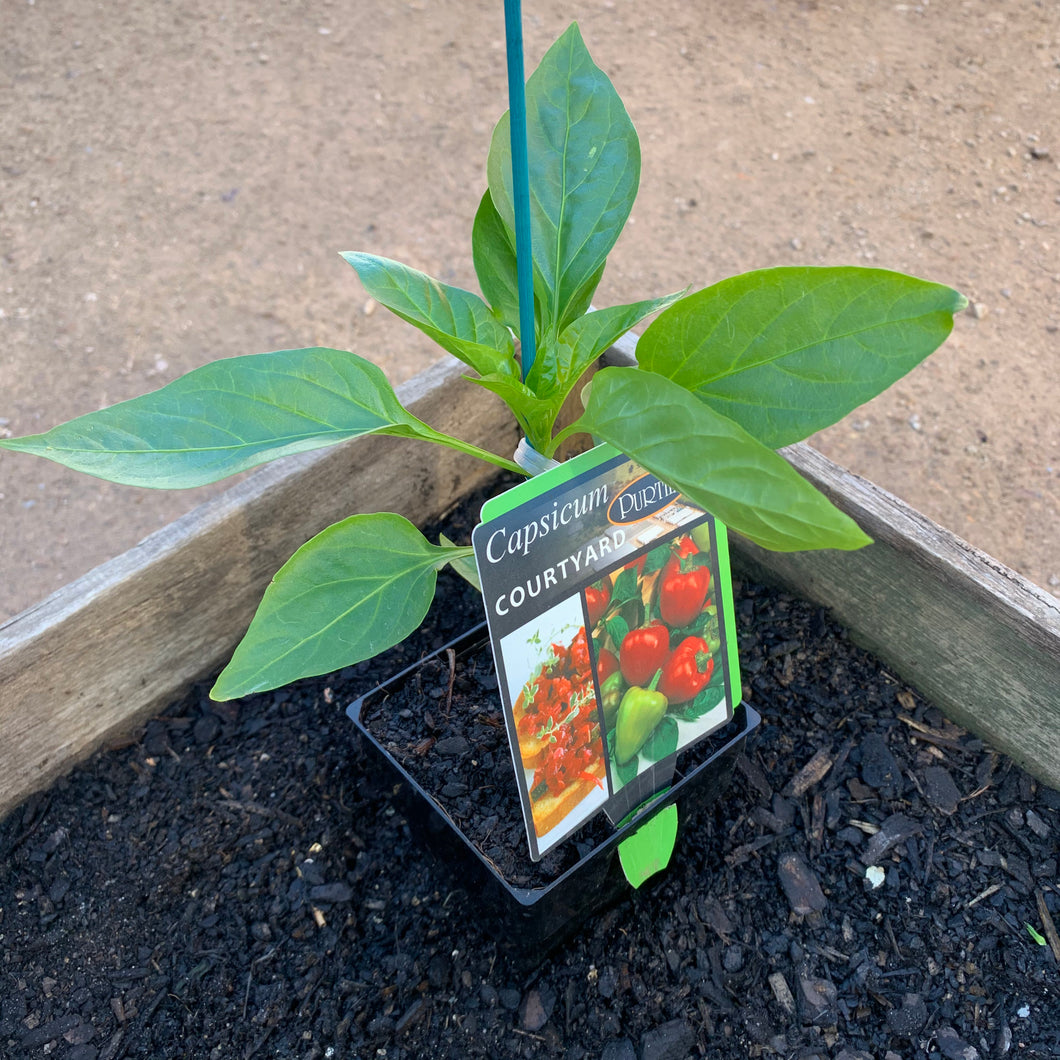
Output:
x=457 y=320
x=580 y=300
x=465 y=566
x=662 y=742
x=617 y=629
x=558 y=366
x=493 y=251
x=714 y=462
x=1035 y=934
x=656 y=559
x=355 y=589
x=229 y=416
x=535 y=415
x=626 y=586
x=584 y=170
x=705 y=702
x=787 y=352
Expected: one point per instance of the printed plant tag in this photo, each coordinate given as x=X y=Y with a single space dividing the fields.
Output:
x=609 y=604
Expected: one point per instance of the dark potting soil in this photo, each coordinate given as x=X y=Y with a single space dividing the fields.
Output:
x=231 y=885
x=445 y=726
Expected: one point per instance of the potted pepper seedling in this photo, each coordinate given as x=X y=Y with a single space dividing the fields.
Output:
x=726 y=375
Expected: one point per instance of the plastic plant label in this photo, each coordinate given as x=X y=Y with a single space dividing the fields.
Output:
x=609 y=604
x=647 y=851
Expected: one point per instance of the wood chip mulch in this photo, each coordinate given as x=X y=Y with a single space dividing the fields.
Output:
x=876 y=885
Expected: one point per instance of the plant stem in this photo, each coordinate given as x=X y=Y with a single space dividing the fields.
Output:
x=431 y=435
x=562 y=436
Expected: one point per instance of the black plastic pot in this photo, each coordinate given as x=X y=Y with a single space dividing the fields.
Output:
x=534 y=919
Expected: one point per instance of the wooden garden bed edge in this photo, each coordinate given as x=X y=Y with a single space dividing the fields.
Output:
x=105 y=651
x=970 y=633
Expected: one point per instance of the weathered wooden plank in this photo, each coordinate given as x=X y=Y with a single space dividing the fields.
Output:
x=131 y=635
x=974 y=636
x=134 y=633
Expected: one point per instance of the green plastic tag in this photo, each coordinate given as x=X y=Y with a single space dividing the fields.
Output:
x=648 y=850
x=569 y=563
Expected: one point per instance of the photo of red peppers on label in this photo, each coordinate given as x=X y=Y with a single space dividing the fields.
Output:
x=656 y=644
x=560 y=740
x=608 y=600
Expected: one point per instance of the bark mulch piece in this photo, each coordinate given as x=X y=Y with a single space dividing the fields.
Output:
x=231 y=885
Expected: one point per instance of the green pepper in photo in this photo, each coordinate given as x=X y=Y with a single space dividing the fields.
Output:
x=611 y=693
x=640 y=711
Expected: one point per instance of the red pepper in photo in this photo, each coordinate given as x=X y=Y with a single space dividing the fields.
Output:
x=687 y=672
x=597 y=599
x=683 y=588
x=685 y=546
x=644 y=651
x=606 y=665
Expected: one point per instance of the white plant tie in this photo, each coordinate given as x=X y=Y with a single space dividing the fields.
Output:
x=530 y=460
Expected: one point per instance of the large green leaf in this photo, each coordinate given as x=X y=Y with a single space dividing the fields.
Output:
x=232 y=415
x=580 y=300
x=458 y=320
x=493 y=247
x=584 y=162
x=714 y=462
x=493 y=251
x=786 y=352
x=352 y=591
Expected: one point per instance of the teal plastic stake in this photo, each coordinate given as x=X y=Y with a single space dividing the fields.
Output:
x=524 y=258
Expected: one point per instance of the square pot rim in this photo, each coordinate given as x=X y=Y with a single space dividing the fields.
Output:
x=745 y=717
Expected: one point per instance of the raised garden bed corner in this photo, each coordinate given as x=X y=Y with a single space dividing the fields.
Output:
x=103 y=653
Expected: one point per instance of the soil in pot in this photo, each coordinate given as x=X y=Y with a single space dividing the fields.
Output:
x=229 y=886
x=444 y=726
x=436 y=738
